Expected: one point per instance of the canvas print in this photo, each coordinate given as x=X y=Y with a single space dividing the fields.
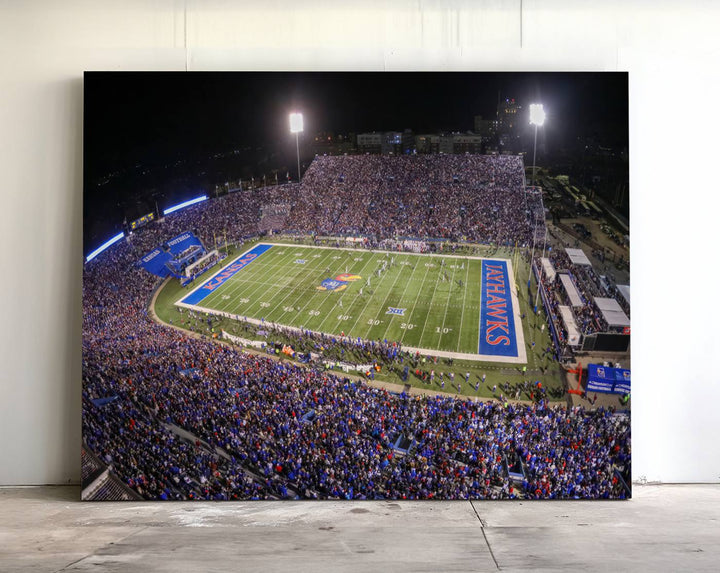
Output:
x=356 y=286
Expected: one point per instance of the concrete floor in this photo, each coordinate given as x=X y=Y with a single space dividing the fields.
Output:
x=663 y=528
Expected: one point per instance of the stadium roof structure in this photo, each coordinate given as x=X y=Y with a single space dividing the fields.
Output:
x=625 y=292
x=578 y=257
x=611 y=311
x=571 y=290
x=549 y=269
x=570 y=325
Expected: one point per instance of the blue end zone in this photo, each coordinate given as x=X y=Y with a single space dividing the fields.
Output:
x=497 y=324
x=218 y=280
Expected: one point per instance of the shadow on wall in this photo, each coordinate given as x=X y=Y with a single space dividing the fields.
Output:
x=64 y=319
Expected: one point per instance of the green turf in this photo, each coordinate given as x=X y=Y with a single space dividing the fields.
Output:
x=440 y=295
x=539 y=367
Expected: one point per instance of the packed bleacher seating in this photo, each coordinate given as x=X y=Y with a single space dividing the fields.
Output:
x=470 y=197
x=588 y=317
x=273 y=217
x=90 y=468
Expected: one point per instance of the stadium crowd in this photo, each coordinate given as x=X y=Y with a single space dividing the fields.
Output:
x=461 y=197
x=588 y=317
x=178 y=416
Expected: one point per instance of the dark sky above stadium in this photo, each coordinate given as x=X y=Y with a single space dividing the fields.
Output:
x=143 y=118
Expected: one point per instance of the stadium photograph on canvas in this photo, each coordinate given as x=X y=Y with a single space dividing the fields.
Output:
x=356 y=286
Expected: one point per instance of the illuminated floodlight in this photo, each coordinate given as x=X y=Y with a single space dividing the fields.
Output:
x=104 y=246
x=183 y=205
x=537 y=114
x=296 y=126
x=296 y=122
x=537 y=118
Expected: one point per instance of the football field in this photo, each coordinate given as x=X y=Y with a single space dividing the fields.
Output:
x=432 y=303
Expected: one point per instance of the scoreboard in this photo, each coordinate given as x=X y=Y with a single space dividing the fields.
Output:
x=144 y=220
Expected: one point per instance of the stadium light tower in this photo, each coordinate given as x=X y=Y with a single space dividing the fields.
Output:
x=296 y=126
x=537 y=295
x=537 y=118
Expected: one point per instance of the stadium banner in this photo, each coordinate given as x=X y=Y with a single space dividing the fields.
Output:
x=497 y=324
x=229 y=271
x=608 y=380
x=155 y=262
x=622 y=380
x=182 y=242
x=243 y=341
x=346 y=367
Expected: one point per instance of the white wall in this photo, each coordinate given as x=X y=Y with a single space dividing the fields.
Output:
x=669 y=48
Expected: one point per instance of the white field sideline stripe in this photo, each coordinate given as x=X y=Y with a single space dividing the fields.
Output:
x=385 y=252
x=519 y=335
x=412 y=349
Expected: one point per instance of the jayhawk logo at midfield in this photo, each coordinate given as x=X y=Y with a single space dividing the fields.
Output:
x=348 y=277
x=339 y=283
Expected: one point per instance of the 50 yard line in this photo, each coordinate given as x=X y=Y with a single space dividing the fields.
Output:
x=292 y=291
x=310 y=298
x=342 y=297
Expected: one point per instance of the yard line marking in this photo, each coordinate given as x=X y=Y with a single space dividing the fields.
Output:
x=462 y=314
x=342 y=296
x=238 y=287
x=277 y=268
x=452 y=280
x=427 y=314
x=407 y=284
x=237 y=282
x=427 y=269
x=382 y=306
x=298 y=278
x=366 y=304
x=302 y=287
x=311 y=297
x=294 y=289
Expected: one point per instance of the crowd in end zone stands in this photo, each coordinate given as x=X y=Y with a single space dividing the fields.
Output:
x=192 y=419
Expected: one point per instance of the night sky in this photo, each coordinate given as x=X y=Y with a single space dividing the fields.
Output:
x=139 y=121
